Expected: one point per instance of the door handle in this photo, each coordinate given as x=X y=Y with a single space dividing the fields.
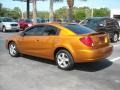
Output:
x=37 y=40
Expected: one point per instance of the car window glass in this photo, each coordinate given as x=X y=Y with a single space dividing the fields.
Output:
x=79 y=29
x=90 y=22
x=50 y=30
x=103 y=22
x=109 y=23
x=84 y=22
x=35 y=30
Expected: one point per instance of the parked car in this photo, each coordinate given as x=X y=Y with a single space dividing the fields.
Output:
x=40 y=20
x=8 y=24
x=66 y=44
x=24 y=23
x=105 y=24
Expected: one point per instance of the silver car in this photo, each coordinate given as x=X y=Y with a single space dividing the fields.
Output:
x=8 y=24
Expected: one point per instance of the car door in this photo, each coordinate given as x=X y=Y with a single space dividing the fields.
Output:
x=28 y=42
x=46 y=41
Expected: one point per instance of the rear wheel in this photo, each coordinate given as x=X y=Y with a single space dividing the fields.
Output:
x=64 y=60
x=115 y=37
x=13 y=50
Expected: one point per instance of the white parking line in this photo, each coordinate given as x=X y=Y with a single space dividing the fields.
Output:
x=115 y=59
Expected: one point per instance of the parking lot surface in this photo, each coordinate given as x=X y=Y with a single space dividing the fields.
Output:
x=30 y=73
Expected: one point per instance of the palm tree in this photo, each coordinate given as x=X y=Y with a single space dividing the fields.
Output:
x=51 y=12
x=70 y=7
x=34 y=11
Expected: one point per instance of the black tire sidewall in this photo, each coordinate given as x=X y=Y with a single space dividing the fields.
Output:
x=71 y=61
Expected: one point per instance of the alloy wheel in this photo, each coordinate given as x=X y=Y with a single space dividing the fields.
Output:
x=13 y=50
x=64 y=60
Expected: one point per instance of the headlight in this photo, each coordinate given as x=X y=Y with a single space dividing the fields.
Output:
x=29 y=24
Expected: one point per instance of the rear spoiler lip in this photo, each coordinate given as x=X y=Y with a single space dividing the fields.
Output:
x=96 y=33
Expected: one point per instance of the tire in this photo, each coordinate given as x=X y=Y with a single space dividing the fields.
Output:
x=13 y=50
x=115 y=37
x=64 y=60
x=4 y=29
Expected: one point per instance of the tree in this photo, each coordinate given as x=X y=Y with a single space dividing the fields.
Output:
x=51 y=12
x=43 y=14
x=0 y=6
x=34 y=11
x=101 y=12
x=61 y=13
x=78 y=13
x=70 y=7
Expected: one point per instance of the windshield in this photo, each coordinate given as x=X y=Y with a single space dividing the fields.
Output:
x=8 y=20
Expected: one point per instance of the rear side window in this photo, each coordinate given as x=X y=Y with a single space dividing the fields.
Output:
x=79 y=29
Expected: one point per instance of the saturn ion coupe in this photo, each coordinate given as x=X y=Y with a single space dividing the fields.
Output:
x=65 y=44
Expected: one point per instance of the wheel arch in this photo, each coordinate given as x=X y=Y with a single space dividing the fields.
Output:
x=64 y=48
x=9 y=43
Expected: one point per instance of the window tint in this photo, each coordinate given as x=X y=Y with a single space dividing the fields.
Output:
x=103 y=22
x=35 y=30
x=89 y=22
x=50 y=30
x=79 y=29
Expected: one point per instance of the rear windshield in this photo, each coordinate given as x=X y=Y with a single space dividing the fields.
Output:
x=78 y=29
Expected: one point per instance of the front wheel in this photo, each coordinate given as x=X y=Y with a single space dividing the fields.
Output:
x=3 y=29
x=13 y=50
x=64 y=60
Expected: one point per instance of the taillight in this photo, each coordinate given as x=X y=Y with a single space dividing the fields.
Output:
x=87 y=41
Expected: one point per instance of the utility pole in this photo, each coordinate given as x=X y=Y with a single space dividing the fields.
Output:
x=28 y=9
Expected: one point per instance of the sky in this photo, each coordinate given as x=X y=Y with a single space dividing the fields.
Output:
x=44 y=6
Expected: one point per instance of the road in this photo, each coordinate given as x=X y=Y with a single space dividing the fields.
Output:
x=30 y=73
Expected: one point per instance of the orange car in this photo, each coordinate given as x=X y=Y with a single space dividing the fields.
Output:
x=66 y=44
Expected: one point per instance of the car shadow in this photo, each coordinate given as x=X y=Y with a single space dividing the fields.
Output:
x=41 y=60
x=10 y=31
x=88 y=67
x=93 y=66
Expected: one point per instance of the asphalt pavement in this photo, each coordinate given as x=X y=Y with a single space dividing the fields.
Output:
x=30 y=73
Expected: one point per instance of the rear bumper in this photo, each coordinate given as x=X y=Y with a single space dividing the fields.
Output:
x=93 y=55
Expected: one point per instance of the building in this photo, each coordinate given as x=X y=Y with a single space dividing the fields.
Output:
x=115 y=13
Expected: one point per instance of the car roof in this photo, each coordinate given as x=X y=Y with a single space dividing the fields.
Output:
x=5 y=17
x=98 y=18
